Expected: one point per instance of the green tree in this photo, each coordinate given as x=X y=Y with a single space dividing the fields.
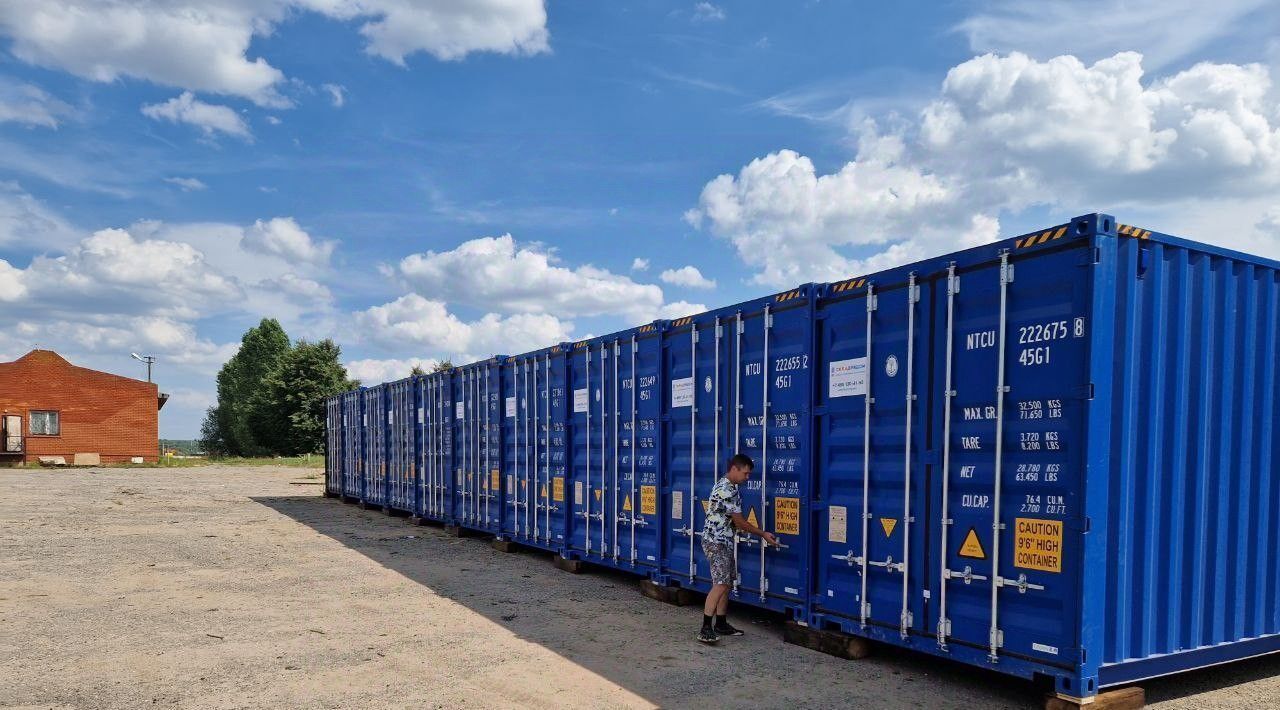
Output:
x=307 y=375
x=443 y=366
x=417 y=370
x=243 y=423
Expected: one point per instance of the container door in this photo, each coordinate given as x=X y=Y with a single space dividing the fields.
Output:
x=528 y=468
x=332 y=449
x=353 y=437
x=773 y=376
x=511 y=447
x=1015 y=339
x=400 y=418
x=375 y=446
x=637 y=441
x=871 y=559
x=464 y=441
x=446 y=436
x=694 y=442
x=491 y=437
x=422 y=431
x=551 y=413
x=584 y=449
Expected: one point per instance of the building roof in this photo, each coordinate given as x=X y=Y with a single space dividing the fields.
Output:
x=48 y=359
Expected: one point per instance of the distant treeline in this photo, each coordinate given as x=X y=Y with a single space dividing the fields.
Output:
x=182 y=447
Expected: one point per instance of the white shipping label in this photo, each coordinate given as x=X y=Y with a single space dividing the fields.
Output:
x=389 y=417
x=847 y=378
x=420 y=415
x=677 y=505
x=577 y=492
x=511 y=406
x=459 y=410
x=682 y=392
x=580 y=401
x=837 y=523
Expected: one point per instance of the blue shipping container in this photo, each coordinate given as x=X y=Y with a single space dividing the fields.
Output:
x=374 y=470
x=435 y=432
x=1052 y=456
x=402 y=458
x=353 y=444
x=738 y=380
x=333 y=445
x=613 y=444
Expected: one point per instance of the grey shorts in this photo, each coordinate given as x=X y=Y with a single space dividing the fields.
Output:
x=720 y=557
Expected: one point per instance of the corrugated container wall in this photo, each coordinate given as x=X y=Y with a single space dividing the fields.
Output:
x=374 y=469
x=1051 y=456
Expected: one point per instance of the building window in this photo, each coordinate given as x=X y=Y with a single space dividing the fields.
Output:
x=45 y=424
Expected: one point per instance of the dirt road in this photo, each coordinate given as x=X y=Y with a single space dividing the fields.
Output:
x=244 y=588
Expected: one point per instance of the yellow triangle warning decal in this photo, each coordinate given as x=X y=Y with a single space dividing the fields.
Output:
x=888 y=524
x=751 y=516
x=706 y=505
x=524 y=483
x=598 y=492
x=626 y=504
x=972 y=546
x=544 y=490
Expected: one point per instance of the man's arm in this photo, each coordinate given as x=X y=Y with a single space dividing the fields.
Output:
x=740 y=522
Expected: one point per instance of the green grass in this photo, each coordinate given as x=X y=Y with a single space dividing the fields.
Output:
x=313 y=461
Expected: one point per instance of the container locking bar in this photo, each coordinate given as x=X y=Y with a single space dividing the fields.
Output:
x=995 y=636
x=944 y=624
x=868 y=400
x=913 y=295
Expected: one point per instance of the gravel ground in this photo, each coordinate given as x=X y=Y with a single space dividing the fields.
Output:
x=244 y=588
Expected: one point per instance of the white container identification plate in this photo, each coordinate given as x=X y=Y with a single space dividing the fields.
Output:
x=580 y=401
x=837 y=523
x=511 y=406
x=682 y=392
x=847 y=378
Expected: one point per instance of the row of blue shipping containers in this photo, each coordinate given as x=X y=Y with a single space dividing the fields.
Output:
x=1051 y=456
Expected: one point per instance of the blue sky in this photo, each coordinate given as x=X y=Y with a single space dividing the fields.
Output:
x=421 y=179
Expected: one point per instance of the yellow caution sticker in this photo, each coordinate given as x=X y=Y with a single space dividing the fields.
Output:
x=557 y=490
x=706 y=505
x=544 y=490
x=626 y=504
x=1037 y=544
x=972 y=546
x=524 y=484
x=888 y=524
x=648 y=500
x=786 y=516
x=494 y=480
x=598 y=494
x=751 y=516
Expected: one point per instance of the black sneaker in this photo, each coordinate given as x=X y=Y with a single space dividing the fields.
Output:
x=725 y=629
x=708 y=635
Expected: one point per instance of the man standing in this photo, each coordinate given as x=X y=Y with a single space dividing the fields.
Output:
x=724 y=516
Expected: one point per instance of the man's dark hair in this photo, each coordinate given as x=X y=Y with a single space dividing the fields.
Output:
x=742 y=461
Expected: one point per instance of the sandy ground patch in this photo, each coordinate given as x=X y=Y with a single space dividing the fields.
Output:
x=244 y=588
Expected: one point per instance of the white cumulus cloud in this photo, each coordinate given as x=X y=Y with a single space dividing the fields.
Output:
x=209 y=118
x=283 y=237
x=496 y=273
x=337 y=94
x=1005 y=133
x=372 y=370
x=205 y=45
x=687 y=276
x=414 y=321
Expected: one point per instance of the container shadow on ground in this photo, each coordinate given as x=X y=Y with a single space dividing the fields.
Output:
x=669 y=668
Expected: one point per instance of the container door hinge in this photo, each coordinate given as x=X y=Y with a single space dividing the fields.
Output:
x=768 y=321
x=914 y=296
x=996 y=638
x=944 y=630
x=1085 y=391
x=695 y=336
x=719 y=330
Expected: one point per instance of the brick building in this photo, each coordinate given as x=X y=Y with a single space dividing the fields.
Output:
x=51 y=408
